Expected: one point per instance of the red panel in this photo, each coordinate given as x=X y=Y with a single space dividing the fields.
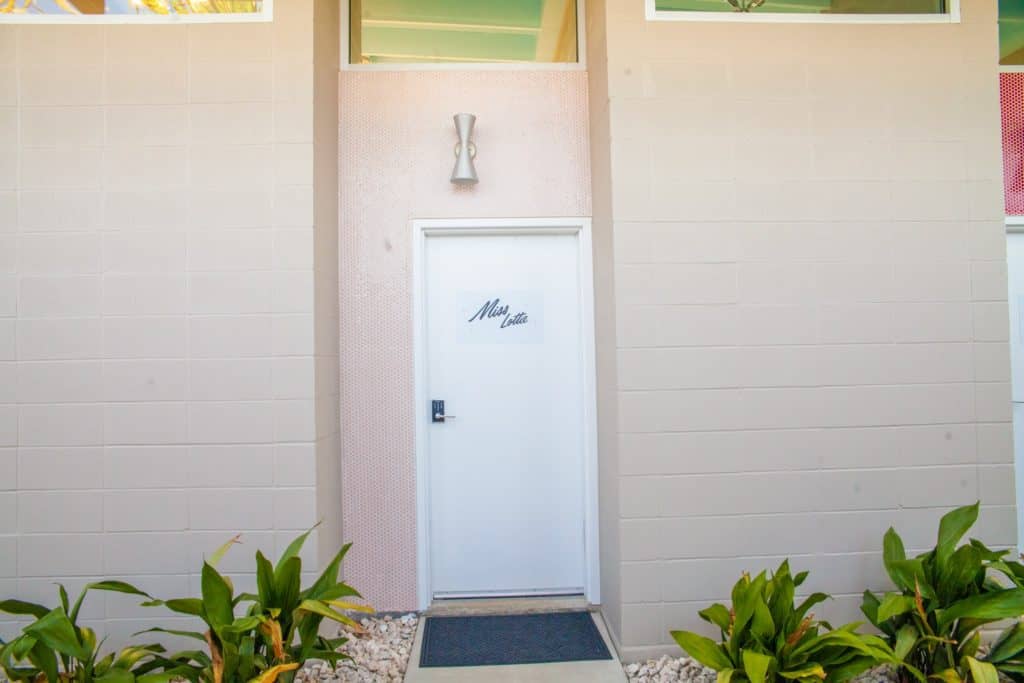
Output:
x=1011 y=95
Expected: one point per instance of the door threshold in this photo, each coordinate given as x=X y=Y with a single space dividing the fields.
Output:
x=516 y=605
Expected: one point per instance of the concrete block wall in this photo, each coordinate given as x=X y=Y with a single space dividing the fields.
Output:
x=604 y=314
x=326 y=56
x=810 y=301
x=159 y=368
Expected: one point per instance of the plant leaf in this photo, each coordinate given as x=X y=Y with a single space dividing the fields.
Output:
x=894 y=604
x=982 y=672
x=118 y=587
x=247 y=657
x=216 y=597
x=21 y=646
x=869 y=607
x=271 y=674
x=913 y=573
x=271 y=629
x=316 y=607
x=110 y=586
x=264 y=579
x=64 y=601
x=339 y=590
x=952 y=527
x=242 y=624
x=960 y=572
x=294 y=548
x=22 y=607
x=130 y=656
x=809 y=602
x=190 y=606
x=745 y=601
x=116 y=676
x=1009 y=644
x=986 y=607
x=969 y=646
x=56 y=631
x=220 y=552
x=947 y=676
x=287 y=584
x=756 y=665
x=905 y=641
x=44 y=659
x=350 y=606
x=762 y=625
x=717 y=614
x=893 y=551
x=704 y=650
x=810 y=671
x=162 y=677
x=329 y=577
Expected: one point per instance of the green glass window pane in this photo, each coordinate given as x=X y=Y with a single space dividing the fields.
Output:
x=807 y=6
x=45 y=8
x=454 y=31
x=1011 y=32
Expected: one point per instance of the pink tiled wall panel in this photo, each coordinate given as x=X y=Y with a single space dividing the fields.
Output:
x=396 y=140
x=1011 y=94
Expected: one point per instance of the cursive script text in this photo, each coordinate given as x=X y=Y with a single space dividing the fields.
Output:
x=494 y=308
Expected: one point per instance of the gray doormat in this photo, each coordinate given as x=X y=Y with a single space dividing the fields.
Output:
x=511 y=639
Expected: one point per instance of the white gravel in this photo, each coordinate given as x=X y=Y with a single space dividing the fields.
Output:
x=685 y=670
x=669 y=670
x=379 y=655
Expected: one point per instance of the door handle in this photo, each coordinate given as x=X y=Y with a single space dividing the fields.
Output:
x=437 y=413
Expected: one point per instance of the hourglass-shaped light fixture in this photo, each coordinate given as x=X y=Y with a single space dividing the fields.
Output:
x=464 y=172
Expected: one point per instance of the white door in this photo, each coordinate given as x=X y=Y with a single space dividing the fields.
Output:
x=1015 y=264
x=504 y=333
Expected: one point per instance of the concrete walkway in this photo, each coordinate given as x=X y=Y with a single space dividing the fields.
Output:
x=604 y=671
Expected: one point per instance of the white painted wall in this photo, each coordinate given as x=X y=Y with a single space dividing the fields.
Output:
x=810 y=295
x=159 y=372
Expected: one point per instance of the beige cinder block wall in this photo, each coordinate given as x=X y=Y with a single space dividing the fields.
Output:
x=326 y=56
x=810 y=292
x=160 y=201
x=604 y=315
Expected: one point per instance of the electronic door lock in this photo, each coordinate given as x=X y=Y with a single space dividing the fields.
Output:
x=437 y=413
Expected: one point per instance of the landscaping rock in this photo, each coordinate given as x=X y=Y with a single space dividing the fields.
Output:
x=686 y=670
x=669 y=670
x=379 y=654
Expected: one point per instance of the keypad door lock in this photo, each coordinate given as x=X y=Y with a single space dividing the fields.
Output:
x=437 y=413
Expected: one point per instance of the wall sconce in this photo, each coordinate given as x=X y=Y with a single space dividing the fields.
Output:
x=465 y=151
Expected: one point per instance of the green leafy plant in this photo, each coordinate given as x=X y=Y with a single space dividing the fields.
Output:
x=278 y=630
x=54 y=647
x=1007 y=652
x=944 y=597
x=766 y=637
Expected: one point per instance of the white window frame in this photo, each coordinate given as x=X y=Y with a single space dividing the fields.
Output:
x=266 y=15
x=950 y=17
x=579 y=65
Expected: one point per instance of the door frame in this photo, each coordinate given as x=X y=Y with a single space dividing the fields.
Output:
x=581 y=228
